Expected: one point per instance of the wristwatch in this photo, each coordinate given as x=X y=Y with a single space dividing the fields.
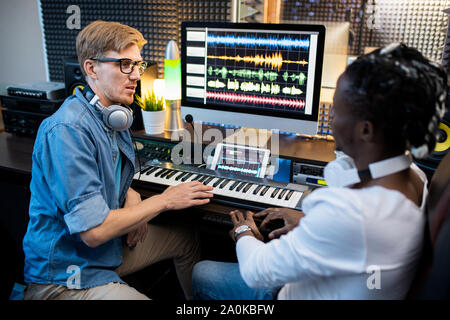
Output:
x=241 y=229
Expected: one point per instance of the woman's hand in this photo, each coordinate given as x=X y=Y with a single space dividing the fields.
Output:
x=238 y=218
x=290 y=217
x=193 y=193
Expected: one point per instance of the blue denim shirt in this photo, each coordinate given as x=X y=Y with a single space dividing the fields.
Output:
x=72 y=190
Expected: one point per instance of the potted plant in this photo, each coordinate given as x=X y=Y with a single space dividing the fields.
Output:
x=153 y=112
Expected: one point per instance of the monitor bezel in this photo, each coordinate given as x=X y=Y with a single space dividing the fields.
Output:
x=258 y=26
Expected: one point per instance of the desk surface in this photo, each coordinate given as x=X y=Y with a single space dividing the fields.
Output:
x=16 y=151
x=16 y=157
x=289 y=146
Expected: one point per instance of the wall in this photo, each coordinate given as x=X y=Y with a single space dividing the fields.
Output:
x=158 y=20
x=376 y=23
x=22 y=56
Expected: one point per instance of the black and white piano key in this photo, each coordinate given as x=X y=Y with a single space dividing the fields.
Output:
x=228 y=188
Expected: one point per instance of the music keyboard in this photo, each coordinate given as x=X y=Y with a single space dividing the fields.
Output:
x=231 y=189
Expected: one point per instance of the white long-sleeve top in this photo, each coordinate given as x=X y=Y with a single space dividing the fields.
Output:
x=351 y=244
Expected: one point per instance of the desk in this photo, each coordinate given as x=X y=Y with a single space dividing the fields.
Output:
x=16 y=152
x=290 y=146
x=15 y=175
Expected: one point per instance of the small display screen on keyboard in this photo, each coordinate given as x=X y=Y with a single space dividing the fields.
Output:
x=242 y=160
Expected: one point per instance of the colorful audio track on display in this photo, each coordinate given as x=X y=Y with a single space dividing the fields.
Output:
x=250 y=41
x=253 y=75
x=239 y=168
x=275 y=61
x=246 y=68
x=258 y=69
x=259 y=74
x=240 y=160
x=258 y=100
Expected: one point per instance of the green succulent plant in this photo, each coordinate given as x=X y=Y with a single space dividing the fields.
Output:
x=149 y=102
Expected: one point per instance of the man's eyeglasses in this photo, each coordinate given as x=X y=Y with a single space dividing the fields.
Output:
x=126 y=65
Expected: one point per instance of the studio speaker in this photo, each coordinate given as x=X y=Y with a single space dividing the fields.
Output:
x=429 y=165
x=443 y=142
x=73 y=77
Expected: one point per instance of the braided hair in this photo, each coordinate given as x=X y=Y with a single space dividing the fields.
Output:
x=402 y=93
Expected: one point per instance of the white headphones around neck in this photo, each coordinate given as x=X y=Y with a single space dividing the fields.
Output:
x=115 y=117
x=342 y=172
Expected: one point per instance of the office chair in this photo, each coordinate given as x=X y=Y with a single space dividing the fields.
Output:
x=432 y=281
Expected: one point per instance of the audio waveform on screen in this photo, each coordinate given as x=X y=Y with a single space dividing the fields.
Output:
x=260 y=87
x=292 y=91
x=216 y=84
x=259 y=74
x=285 y=42
x=298 y=104
x=237 y=169
x=249 y=86
x=243 y=73
x=275 y=61
x=300 y=77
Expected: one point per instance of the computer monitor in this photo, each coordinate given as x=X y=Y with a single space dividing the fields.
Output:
x=335 y=53
x=252 y=75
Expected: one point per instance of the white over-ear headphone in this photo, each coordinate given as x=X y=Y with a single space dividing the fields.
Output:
x=342 y=171
x=115 y=117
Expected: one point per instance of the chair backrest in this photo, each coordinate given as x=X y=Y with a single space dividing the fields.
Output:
x=438 y=198
x=433 y=278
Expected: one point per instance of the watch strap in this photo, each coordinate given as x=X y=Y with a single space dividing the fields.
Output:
x=241 y=229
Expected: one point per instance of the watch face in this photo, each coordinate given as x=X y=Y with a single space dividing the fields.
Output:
x=241 y=229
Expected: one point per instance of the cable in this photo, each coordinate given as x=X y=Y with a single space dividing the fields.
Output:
x=136 y=152
x=190 y=119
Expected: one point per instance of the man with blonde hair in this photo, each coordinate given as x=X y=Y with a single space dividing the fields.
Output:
x=87 y=226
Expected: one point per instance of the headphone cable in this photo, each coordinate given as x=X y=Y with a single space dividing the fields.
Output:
x=136 y=153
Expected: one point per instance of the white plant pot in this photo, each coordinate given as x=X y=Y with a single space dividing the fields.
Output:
x=153 y=121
